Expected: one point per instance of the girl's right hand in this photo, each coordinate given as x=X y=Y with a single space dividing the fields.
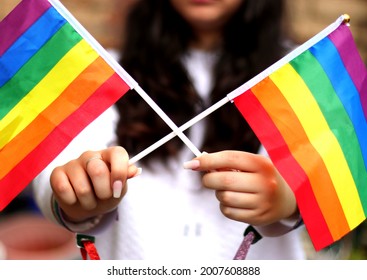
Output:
x=92 y=184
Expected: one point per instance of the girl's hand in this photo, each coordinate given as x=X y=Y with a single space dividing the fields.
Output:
x=248 y=186
x=92 y=184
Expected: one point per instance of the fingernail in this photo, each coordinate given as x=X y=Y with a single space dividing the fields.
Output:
x=138 y=172
x=192 y=164
x=117 y=189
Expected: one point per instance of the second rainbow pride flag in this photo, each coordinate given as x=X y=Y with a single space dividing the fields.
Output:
x=310 y=115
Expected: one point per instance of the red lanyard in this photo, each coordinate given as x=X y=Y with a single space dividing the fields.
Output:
x=87 y=247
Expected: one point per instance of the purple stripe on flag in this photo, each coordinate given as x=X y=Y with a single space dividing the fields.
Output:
x=22 y=16
x=343 y=40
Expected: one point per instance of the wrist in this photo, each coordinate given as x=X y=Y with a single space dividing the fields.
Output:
x=81 y=225
x=281 y=227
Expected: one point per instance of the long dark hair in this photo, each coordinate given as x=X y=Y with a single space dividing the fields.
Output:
x=156 y=38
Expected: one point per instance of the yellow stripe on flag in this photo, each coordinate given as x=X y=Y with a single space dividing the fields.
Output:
x=306 y=108
x=48 y=90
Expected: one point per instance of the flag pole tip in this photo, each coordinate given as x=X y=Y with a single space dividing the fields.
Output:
x=346 y=19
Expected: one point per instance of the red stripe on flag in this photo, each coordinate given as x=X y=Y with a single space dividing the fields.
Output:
x=268 y=134
x=22 y=174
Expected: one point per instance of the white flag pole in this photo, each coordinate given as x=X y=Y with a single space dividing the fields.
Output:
x=121 y=72
x=168 y=121
x=182 y=128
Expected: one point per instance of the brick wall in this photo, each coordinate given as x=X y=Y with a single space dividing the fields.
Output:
x=308 y=17
x=104 y=18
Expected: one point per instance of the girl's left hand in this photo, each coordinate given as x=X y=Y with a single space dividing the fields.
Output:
x=248 y=186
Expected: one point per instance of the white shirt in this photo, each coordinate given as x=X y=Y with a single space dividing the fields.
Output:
x=166 y=214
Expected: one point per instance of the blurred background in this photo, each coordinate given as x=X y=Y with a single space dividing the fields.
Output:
x=104 y=18
x=24 y=234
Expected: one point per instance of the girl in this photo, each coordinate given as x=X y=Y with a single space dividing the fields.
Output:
x=186 y=54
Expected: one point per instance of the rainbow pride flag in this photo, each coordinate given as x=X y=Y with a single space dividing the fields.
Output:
x=54 y=80
x=309 y=111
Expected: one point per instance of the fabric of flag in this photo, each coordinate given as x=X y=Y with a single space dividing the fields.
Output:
x=310 y=115
x=53 y=83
